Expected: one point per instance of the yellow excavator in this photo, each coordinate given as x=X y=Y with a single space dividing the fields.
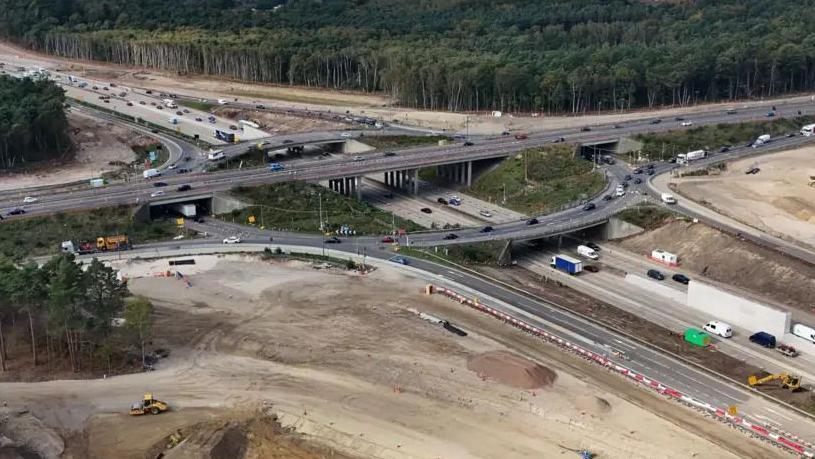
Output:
x=148 y=405
x=788 y=381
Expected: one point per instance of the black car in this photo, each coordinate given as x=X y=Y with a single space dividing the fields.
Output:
x=791 y=134
x=426 y=210
x=681 y=278
x=585 y=129
x=638 y=170
x=592 y=246
x=468 y=144
x=505 y=133
x=159 y=184
x=624 y=184
x=650 y=172
x=287 y=141
x=637 y=181
x=260 y=106
x=607 y=197
x=724 y=149
x=627 y=177
x=532 y=221
x=752 y=170
x=333 y=240
x=182 y=171
x=390 y=153
x=17 y=211
x=591 y=268
x=654 y=274
x=442 y=201
x=656 y=121
x=589 y=206
x=185 y=187
x=679 y=118
x=486 y=229
x=450 y=236
x=617 y=126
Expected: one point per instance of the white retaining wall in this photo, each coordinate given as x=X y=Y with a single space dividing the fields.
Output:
x=738 y=311
x=657 y=287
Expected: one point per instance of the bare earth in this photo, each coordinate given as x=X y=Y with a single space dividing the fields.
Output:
x=97 y=144
x=276 y=123
x=777 y=200
x=378 y=105
x=339 y=358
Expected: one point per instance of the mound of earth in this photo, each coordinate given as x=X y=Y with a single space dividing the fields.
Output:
x=511 y=369
x=593 y=404
x=24 y=436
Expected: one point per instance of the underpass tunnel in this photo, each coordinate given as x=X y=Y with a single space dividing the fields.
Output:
x=181 y=208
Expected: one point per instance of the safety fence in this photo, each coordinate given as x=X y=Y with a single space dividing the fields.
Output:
x=773 y=435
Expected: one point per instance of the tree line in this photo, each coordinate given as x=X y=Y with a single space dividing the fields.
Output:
x=69 y=312
x=516 y=55
x=33 y=126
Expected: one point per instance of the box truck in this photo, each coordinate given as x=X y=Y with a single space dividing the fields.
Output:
x=567 y=264
x=761 y=140
x=685 y=158
x=802 y=331
x=808 y=130
x=150 y=173
x=588 y=252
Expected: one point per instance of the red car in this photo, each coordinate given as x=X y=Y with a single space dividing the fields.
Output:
x=388 y=240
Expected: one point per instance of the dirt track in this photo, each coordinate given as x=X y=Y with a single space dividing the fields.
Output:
x=342 y=360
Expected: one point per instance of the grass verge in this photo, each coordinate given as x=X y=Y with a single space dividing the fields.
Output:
x=647 y=217
x=294 y=206
x=401 y=141
x=482 y=253
x=21 y=238
x=196 y=105
x=665 y=145
x=539 y=181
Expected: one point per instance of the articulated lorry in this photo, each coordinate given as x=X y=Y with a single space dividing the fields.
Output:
x=685 y=158
x=567 y=264
x=103 y=244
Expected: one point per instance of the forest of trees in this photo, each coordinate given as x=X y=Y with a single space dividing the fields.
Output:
x=33 y=126
x=66 y=313
x=514 y=55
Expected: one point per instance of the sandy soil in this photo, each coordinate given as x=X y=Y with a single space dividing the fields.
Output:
x=777 y=200
x=97 y=144
x=342 y=360
x=378 y=105
x=723 y=258
x=275 y=123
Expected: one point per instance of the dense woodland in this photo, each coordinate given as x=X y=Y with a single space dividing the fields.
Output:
x=33 y=126
x=529 y=55
x=67 y=312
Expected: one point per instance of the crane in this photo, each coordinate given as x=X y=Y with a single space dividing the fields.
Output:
x=788 y=381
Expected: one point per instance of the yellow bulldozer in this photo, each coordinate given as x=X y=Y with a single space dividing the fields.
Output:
x=148 y=405
x=788 y=381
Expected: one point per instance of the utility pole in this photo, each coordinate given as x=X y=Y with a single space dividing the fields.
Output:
x=320 y=214
x=467 y=123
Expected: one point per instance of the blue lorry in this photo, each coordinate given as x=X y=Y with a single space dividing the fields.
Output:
x=567 y=264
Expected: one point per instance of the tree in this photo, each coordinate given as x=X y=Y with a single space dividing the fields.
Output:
x=29 y=292
x=64 y=314
x=138 y=319
x=103 y=295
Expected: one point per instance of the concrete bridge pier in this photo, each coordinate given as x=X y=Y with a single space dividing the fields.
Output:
x=403 y=179
x=458 y=172
x=348 y=186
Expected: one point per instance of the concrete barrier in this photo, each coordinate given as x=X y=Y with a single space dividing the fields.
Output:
x=657 y=287
x=737 y=310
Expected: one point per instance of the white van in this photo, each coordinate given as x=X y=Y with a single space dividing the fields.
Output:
x=808 y=130
x=216 y=155
x=668 y=198
x=719 y=328
x=802 y=331
x=761 y=140
x=588 y=252
x=150 y=173
x=620 y=191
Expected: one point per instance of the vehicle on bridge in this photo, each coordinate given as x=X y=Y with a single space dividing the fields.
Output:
x=685 y=158
x=150 y=173
x=216 y=155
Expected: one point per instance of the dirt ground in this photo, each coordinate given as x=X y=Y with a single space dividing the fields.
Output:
x=276 y=123
x=339 y=358
x=724 y=258
x=777 y=200
x=378 y=105
x=97 y=143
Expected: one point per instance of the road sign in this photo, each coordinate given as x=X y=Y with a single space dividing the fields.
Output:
x=179 y=221
x=251 y=219
x=732 y=410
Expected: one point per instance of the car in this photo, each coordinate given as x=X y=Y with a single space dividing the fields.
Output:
x=681 y=278
x=276 y=167
x=185 y=110
x=442 y=201
x=624 y=185
x=95 y=88
x=656 y=121
x=185 y=187
x=287 y=141
x=485 y=213
x=179 y=113
x=592 y=246
x=29 y=199
x=153 y=104
x=589 y=206
x=505 y=133
x=650 y=172
x=390 y=153
x=233 y=127
x=532 y=221
x=182 y=171
x=400 y=260
x=159 y=107
x=719 y=328
x=113 y=85
x=654 y=274
x=687 y=123
x=148 y=91
x=468 y=144
x=359 y=158
x=198 y=119
x=105 y=89
x=591 y=268
x=724 y=149
x=260 y=106
x=617 y=126
x=607 y=197
x=585 y=129
x=106 y=101
x=627 y=177
x=17 y=211
x=679 y=118
x=454 y=201
x=141 y=102
x=486 y=229
x=637 y=181
x=388 y=240
x=450 y=236
x=156 y=194
x=770 y=114
x=333 y=240
x=730 y=111
x=232 y=240
x=159 y=184
x=172 y=166
x=791 y=134
x=638 y=170
x=129 y=104
x=426 y=210
x=346 y=135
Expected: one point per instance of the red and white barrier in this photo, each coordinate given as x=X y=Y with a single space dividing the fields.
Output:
x=777 y=437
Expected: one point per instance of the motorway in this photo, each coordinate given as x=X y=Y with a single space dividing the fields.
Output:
x=634 y=355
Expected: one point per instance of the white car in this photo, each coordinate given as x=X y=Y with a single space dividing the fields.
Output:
x=345 y=135
x=156 y=194
x=485 y=213
x=172 y=166
x=29 y=199
x=358 y=158
x=232 y=240
x=687 y=123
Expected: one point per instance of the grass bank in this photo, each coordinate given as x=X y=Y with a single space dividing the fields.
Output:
x=482 y=253
x=648 y=217
x=294 y=206
x=400 y=141
x=196 y=105
x=665 y=145
x=539 y=181
x=21 y=238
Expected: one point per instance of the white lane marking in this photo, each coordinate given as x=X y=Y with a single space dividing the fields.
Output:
x=779 y=414
x=624 y=344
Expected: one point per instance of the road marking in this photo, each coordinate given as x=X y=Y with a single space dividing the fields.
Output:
x=779 y=414
x=624 y=344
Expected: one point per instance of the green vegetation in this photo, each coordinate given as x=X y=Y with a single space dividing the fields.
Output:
x=254 y=157
x=143 y=153
x=401 y=141
x=66 y=313
x=665 y=145
x=21 y=238
x=648 y=217
x=482 y=253
x=196 y=105
x=534 y=55
x=294 y=206
x=33 y=126
x=539 y=181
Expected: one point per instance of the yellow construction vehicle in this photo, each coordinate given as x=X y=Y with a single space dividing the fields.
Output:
x=148 y=405
x=790 y=382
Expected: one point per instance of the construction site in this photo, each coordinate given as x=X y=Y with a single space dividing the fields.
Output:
x=274 y=358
